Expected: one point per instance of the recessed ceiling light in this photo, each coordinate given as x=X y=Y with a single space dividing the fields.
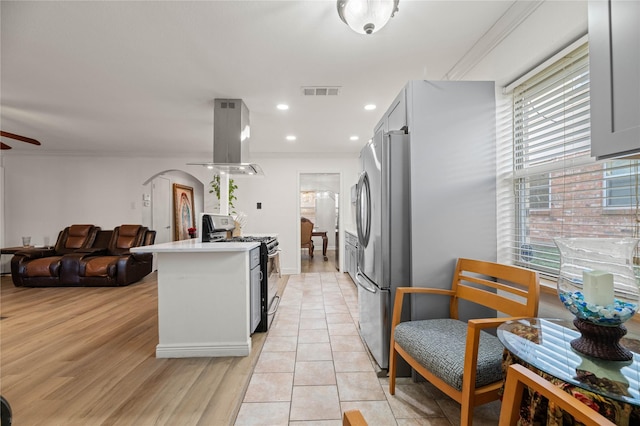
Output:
x=291 y=138
x=210 y=166
x=283 y=107
x=354 y=138
x=370 y=107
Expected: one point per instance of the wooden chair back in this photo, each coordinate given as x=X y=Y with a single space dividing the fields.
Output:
x=306 y=231
x=504 y=288
x=306 y=228
x=519 y=376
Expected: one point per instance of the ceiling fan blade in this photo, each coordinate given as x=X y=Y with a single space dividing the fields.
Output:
x=3 y=146
x=19 y=138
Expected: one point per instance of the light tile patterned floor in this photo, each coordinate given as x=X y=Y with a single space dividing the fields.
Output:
x=314 y=366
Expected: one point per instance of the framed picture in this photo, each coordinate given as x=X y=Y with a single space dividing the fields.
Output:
x=183 y=214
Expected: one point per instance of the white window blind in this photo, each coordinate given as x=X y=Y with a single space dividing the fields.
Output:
x=559 y=190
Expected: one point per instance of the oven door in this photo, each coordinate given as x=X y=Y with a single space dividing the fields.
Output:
x=273 y=300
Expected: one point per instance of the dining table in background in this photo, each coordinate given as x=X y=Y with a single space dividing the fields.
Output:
x=325 y=241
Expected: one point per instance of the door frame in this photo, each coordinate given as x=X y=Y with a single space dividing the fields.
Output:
x=341 y=207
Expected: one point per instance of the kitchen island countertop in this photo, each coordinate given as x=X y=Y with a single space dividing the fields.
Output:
x=195 y=245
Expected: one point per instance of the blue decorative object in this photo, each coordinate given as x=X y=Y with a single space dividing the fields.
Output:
x=611 y=315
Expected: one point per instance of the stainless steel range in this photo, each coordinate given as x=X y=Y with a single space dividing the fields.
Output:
x=215 y=229
x=269 y=287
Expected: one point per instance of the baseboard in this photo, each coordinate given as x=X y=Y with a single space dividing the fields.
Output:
x=211 y=350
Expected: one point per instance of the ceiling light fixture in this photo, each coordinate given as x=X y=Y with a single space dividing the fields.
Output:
x=354 y=138
x=370 y=107
x=283 y=107
x=366 y=16
x=291 y=138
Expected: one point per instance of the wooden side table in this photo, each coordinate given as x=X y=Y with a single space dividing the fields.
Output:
x=13 y=250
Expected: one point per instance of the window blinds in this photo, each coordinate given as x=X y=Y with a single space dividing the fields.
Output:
x=559 y=190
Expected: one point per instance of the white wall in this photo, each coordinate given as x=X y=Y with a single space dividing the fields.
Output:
x=278 y=193
x=44 y=194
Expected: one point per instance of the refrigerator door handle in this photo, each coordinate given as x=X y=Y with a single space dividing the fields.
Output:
x=363 y=210
x=366 y=284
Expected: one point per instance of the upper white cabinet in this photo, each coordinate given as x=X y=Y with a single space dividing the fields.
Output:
x=614 y=52
x=396 y=116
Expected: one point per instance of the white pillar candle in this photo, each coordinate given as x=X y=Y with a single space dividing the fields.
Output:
x=597 y=287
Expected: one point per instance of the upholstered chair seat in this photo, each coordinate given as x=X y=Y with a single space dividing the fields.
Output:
x=100 y=266
x=439 y=345
x=43 y=267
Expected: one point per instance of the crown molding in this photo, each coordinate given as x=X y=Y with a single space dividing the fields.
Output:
x=517 y=13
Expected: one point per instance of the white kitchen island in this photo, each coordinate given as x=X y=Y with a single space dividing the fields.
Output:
x=203 y=298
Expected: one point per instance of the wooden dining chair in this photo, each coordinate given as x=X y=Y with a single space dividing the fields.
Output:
x=306 y=229
x=519 y=376
x=459 y=358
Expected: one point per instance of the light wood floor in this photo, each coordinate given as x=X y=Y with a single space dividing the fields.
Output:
x=78 y=356
x=317 y=262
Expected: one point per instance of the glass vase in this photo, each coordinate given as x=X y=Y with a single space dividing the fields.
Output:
x=597 y=283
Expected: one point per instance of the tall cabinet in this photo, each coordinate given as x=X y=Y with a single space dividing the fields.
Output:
x=614 y=66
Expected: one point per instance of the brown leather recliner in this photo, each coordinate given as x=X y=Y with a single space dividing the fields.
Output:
x=42 y=267
x=115 y=266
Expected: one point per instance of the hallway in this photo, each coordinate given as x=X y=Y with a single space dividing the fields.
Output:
x=317 y=263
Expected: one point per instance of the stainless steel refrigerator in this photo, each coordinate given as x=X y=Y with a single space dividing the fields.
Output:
x=426 y=196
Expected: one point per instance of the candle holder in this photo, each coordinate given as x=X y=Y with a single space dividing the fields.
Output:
x=597 y=283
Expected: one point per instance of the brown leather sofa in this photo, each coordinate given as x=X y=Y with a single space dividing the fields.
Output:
x=86 y=255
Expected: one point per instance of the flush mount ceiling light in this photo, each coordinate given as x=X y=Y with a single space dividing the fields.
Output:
x=366 y=16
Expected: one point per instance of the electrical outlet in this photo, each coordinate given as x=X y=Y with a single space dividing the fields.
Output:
x=259 y=206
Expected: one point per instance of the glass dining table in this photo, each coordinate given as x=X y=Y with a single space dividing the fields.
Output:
x=543 y=345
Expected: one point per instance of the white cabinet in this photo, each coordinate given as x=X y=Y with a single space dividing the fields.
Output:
x=351 y=254
x=614 y=65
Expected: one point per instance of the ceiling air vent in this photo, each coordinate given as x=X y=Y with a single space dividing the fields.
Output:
x=321 y=91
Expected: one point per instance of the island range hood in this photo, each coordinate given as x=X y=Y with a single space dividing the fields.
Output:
x=231 y=134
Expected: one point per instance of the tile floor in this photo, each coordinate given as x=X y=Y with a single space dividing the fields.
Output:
x=314 y=366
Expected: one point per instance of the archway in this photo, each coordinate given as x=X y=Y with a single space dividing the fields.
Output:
x=158 y=201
